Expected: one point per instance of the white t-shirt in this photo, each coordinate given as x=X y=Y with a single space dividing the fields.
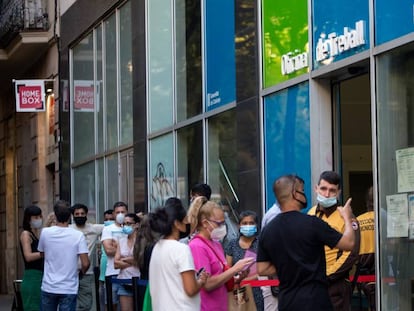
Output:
x=91 y=233
x=111 y=232
x=169 y=258
x=125 y=251
x=61 y=247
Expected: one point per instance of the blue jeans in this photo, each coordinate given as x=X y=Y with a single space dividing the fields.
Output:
x=65 y=302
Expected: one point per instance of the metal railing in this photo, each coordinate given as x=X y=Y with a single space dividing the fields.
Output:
x=21 y=15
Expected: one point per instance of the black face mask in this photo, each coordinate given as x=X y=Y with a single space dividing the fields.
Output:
x=80 y=220
x=186 y=233
x=303 y=204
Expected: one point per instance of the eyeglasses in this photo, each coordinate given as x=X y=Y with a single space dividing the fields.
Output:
x=218 y=223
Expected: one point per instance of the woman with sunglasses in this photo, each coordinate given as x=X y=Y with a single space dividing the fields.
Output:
x=207 y=220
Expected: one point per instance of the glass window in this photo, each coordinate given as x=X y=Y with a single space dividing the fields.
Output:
x=112 y=179
x=84 y=188
x=188 y=58
x=395 y=124
x=99 y=84
x=111 y=83
x=101 y=207
x=160 y=47
x=222 y=152
x=189 y=159
x=83 y=99
x=287 y=137
x=161 y=170
x=125 y=51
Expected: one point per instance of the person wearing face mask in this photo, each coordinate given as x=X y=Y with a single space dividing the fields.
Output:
x=86 y=295
x=292 y=246
x=172 y=276
x=109 y=219
x=110 y=237
x=33 y=261
x=338 y=263
x=207 y=220
x=246 y=246
x=124 y=260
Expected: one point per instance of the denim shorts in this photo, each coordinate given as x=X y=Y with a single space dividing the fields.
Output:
x=125 y=290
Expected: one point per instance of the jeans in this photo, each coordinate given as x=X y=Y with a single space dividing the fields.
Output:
x=51 y=302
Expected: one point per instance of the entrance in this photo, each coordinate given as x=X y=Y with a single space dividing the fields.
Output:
x=353 y=138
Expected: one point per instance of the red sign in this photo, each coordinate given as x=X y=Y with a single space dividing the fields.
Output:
x=30 y=97
x=83 y=97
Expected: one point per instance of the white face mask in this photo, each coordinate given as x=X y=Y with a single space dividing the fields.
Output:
x=120 y=218
x=218 y=233
x=36 y=224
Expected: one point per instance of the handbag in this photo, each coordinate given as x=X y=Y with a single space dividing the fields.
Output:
x=230 y=283
x=241 y=299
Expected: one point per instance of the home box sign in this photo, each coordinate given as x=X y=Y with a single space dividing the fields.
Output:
x=30 y=95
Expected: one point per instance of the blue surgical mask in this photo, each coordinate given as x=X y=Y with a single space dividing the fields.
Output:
x=127 y=230
x=248 y=230
x=108 y=222
x=326 y=202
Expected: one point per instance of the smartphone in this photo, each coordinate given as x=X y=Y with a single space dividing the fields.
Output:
x=199 y=272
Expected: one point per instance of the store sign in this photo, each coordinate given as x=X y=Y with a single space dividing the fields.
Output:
x=285 y=42
x=30 y=95
x=333 y=44
x=219 y=53
x=291 y=62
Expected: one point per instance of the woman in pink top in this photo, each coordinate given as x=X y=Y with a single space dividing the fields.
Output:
x=207 y=219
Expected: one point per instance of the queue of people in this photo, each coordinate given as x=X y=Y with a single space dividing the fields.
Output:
x=182 y=255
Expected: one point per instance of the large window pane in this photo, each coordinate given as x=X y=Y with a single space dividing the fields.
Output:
x=100 y=204
x=395 y=98
x=111 y=83
x=99 y=84
x=112 y=179
x=188 y=58
x=160 y=47
x=222 y=164
x=125 y=55
x=83 y=96
x=287 y=137
x=189 y=159
x=84 y=188
x=161 y=170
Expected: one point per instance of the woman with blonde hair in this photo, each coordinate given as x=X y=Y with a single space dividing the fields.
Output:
x=207 y=221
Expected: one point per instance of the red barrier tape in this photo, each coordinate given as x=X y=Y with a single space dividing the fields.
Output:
x=361 y=279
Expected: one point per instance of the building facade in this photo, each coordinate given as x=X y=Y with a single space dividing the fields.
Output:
x=29 y=141
x=157 y=95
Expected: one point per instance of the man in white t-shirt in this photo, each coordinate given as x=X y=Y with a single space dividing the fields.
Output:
x=61 y=247
x=109 y=239
x=85 y=300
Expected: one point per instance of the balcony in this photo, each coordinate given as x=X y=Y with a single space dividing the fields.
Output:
x=24 y=35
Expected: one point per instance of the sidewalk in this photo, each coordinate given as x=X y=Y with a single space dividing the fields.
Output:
x=6 y=302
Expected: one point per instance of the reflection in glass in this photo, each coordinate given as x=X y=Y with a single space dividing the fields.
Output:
x=99 y=80
x=160 y=84
x=112 y=179
x=161 y=170
x=189 y=159
x=111 y=83
x=188 y=58
x=100 y=204
x=83 y=94
x=395 y=99
x=287 y=137
x=84 y=187
x=125 y=52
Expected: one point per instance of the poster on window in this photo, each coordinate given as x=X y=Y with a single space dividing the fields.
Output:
x=30 y=95
x=219 y=53
x=405 y=169
x=397 y=216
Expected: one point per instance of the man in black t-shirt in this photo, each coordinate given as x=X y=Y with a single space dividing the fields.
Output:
x=292 y=245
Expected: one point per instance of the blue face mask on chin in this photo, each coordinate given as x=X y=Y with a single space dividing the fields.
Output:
x=326 y=202
x=108 y=222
